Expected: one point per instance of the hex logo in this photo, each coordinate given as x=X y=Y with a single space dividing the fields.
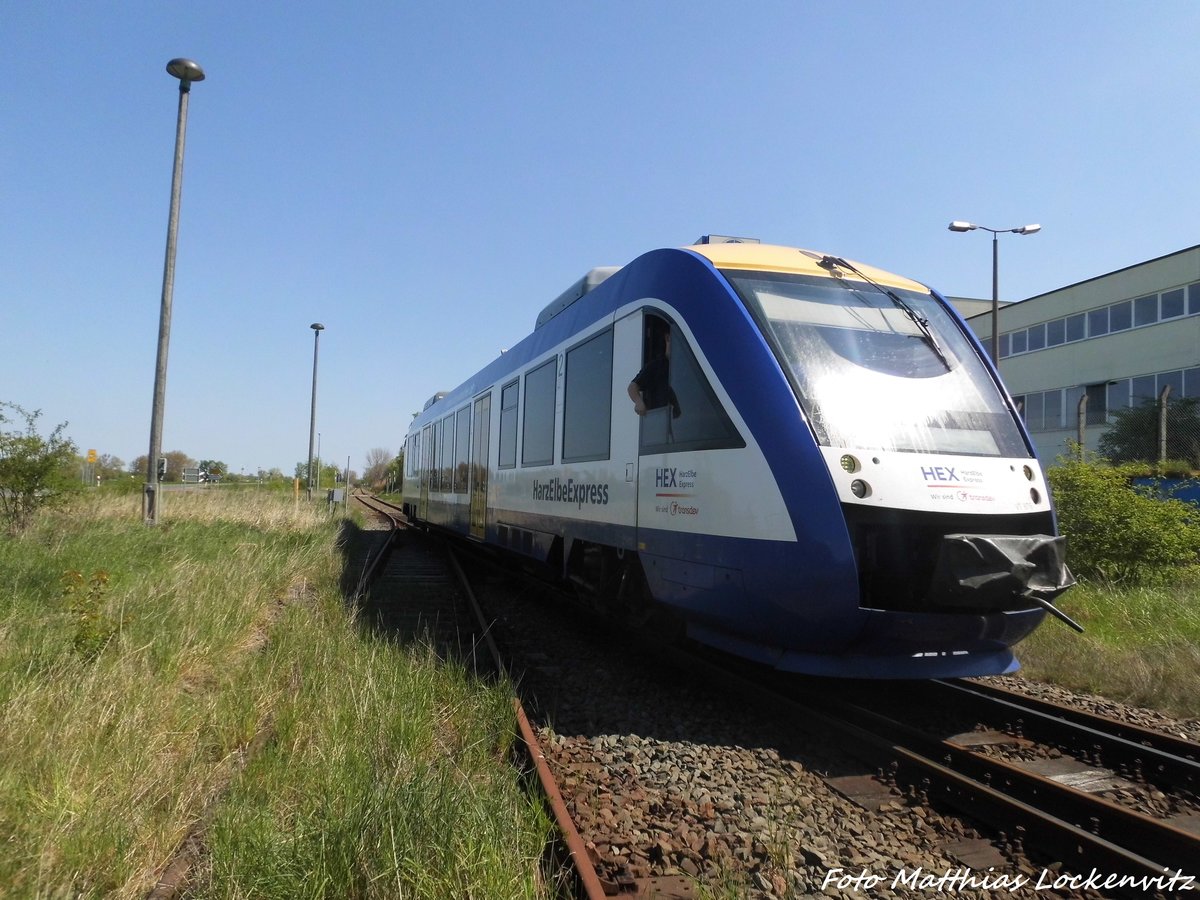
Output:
x=939 y=473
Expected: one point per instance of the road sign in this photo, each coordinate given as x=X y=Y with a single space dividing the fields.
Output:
x=91 y=456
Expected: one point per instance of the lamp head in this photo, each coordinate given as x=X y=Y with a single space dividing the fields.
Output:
x=317 y=326
x=962 y=226
x=186 y=69
x=1027 y=229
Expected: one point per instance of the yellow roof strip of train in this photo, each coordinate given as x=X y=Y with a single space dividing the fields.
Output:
x=775 y=258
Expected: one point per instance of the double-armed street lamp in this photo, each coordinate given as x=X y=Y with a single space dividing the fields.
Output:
x=1024 y=229
x=317 y=328
x=186 y=71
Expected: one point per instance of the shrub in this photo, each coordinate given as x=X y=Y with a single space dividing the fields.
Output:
x=1118 y=533
x=34 y=470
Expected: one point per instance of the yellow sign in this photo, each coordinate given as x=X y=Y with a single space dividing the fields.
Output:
x=91 y=456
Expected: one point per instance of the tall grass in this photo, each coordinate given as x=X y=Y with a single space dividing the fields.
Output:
x=237 y=694
x=1141 y=645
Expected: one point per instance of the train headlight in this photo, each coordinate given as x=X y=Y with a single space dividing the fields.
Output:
x=1028 y=473
x=1035 y=496
x=849 y=463
x=860 y=488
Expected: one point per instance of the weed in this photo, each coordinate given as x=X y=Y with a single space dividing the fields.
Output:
x=94 y=629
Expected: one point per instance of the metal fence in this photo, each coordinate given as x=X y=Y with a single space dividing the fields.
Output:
x=1157 y=431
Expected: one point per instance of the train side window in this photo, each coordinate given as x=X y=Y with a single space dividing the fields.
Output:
x=508 y=426
x=681 y=410
x=587 y=399
x=537 y=433
x=446 y=458
x=462 y=446
x=434 y=444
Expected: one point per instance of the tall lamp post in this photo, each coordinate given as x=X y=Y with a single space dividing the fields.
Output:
x=186 y=71
x=317 y=328
x=996 y=232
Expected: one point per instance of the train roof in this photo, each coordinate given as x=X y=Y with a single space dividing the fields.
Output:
x=592 y=279
x=775 y=258
x=732 y=253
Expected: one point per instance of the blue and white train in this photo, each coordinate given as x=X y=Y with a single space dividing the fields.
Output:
x=807 y=462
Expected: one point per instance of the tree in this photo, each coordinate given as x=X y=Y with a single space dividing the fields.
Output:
x=1133 y=435
x=35 y=471
x=109 y=466
x=375 y=474
x=177 y=461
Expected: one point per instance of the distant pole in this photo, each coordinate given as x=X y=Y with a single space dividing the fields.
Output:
x=317 y=328
x=186 y=71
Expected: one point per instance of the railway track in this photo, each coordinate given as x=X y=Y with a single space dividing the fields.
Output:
x=420 y=591
x=676 y=772
x=1040 y=781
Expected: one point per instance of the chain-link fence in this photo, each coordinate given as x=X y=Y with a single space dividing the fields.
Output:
x=1165 y=430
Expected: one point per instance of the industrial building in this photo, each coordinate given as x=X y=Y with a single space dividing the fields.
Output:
x=1116 y=340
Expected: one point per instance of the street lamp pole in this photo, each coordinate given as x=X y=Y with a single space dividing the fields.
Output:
x=186 y=71
x=317 y=328
x=996 y=232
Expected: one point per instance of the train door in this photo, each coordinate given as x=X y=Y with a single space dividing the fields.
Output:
x=425 y=464
x=627 y=362
x=479 y=465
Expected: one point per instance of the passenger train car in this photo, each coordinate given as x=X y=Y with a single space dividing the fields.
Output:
x=807 y=462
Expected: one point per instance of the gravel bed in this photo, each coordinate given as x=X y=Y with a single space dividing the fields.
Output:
x=1188 y=729
x=666 y=778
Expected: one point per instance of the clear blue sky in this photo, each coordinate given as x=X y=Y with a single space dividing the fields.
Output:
x=423 y=178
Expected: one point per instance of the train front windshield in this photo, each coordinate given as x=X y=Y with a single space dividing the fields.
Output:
x=880 y=369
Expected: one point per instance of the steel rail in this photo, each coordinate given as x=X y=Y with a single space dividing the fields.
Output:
x=1141 y=837
x=1176 y=747
x=929 y=769
x=589 y=880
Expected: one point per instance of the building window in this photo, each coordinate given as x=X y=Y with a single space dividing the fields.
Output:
x=1037 y=337
x=1172 y=304
x=1020 y=341
x=1034 y=408
x=1052 y=410
x=1191 y=383
x=587 y=399
x=1056 y=332
x=1097 y=322
x=508 y=426
x=1120 y=316
x=1145 y=310
x=1097 y=405
x=1194 y=299
x=1118 y=394
x=537 y=434
x=1142 y=390
x=1005 y=345
x=1175 y=380
x=1076 y=327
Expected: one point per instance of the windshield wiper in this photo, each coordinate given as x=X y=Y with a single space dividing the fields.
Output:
x=833 y=263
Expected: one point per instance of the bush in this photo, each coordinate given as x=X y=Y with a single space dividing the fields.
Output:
x=35 y=471
x=1118 y=533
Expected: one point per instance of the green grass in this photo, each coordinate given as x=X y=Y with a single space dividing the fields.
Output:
x=230 y=687
x=1141 y=645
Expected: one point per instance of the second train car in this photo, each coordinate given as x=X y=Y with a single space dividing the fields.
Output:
x=808 y=462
